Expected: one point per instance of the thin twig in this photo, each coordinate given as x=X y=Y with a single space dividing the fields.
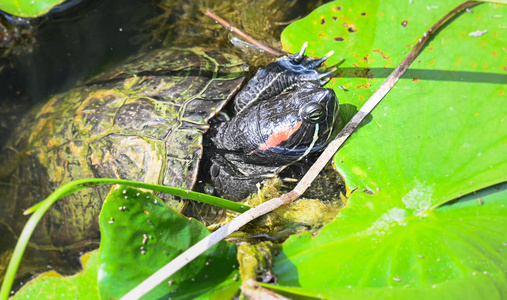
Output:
x=203 y=245
x=263 y=46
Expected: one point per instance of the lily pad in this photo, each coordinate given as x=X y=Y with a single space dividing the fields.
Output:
x=457 y=250
x=28 y=8
x=51 y=285
x=370 y=38
x=438 y=135
x=140 y=234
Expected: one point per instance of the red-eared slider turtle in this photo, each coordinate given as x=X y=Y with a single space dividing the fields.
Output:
x=144 y=120
x=281 y=116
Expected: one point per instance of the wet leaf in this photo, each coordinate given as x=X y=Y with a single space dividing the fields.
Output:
x=457 y=250
x=52 y=285
x=439 y=134
x=371 y=38
x=140 y=234
x=28 y=8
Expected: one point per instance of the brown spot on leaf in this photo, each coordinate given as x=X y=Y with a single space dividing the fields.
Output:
x=367 y=191
x=321 y=35
x=404 y=23
x=365 y=86
x=384 y=55
x=432 y=62
x=345 y=25
x=322 y=21
x=495 y=53
x=338 y=8
x=415 y=79
x=361 y=98
x=352 y=29
x=361 y=73
x=339 y=39
x=335 y=18
x=363 y=14
x=501 y=93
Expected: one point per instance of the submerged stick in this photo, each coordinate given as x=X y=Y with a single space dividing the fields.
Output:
x=241 y=34
x=203 y=245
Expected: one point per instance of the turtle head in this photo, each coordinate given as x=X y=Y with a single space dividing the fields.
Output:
x=297 y=122
x=271 y=135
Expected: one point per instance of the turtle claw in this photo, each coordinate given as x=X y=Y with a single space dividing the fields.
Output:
x=324 y=81
x=317 y=63
x=311 y=64
x=303 y=49
x=299 y=56
x=325 y=74
x=324 y=77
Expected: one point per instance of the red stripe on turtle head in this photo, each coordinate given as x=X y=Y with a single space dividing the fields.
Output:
x=279 y=136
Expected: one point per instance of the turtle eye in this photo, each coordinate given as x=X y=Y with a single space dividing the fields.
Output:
x=312 y=112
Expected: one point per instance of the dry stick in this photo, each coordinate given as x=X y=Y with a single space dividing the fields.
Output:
x=263 y=46
x=266 y=207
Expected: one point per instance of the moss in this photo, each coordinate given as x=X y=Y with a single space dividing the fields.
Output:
x=255 y=261
x=302 y=215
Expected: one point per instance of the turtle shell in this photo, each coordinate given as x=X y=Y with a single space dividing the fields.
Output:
x=142 y=120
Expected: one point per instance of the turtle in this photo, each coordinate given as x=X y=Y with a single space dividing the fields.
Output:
x=144 y=120
x=141 y=120
x=282 y=115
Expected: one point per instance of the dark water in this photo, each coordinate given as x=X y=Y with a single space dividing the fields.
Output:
x=64 y=47
x=55 y=52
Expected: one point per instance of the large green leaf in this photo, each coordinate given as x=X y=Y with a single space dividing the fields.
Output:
x=372 y=37
x=440 y=133
x=140 y=234
x=51 y=285
x=28 y=8
x=455 y=251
